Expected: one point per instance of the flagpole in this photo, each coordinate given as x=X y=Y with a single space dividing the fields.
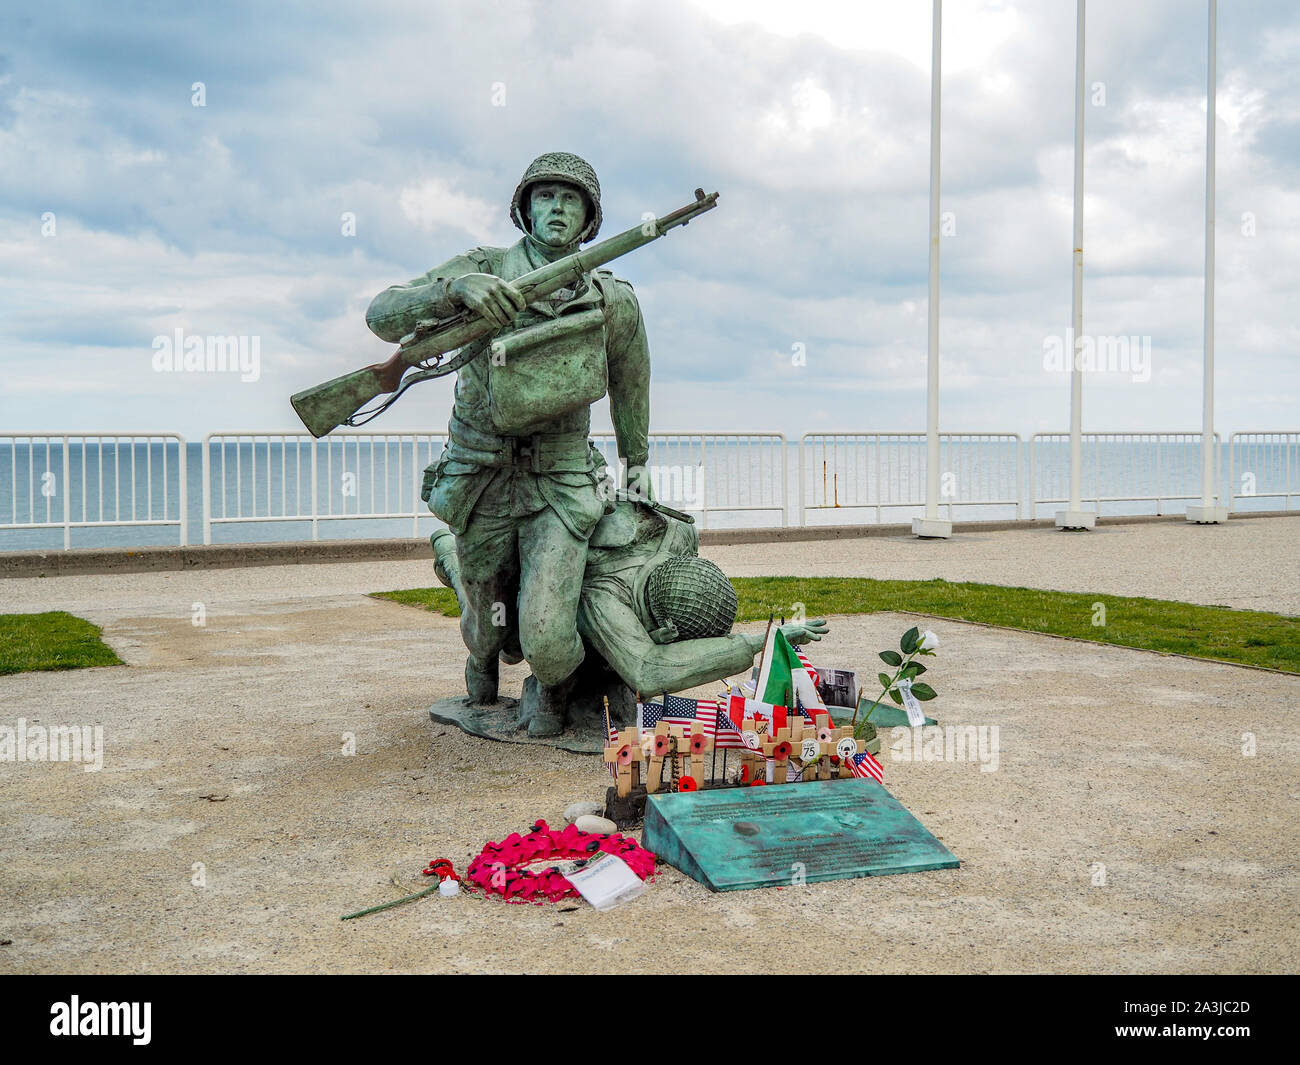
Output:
x=1076 y=517
x=1208 y=513
x=762 y=655
x=932 y=526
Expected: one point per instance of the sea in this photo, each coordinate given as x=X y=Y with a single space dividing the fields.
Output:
x=120 y=492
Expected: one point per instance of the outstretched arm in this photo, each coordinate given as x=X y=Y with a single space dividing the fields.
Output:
x=613 y=629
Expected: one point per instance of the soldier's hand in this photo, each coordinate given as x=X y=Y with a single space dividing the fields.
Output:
x=497 y=301
x=638 y=483
x=801 y=632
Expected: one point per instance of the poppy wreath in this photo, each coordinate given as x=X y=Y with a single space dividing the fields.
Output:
x=500 y=868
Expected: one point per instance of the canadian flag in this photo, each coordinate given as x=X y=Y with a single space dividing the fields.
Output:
x=739 y=708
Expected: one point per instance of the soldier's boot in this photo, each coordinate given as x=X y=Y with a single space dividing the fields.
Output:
x=512 y=654
x=552 y=707
x=481 y=681
x=444 y=552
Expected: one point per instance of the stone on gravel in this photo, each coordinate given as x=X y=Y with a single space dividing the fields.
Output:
x=579 y=809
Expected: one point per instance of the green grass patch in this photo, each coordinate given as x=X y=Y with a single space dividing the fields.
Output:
x=55 y=640
x=1244 y=637
x=437 y=600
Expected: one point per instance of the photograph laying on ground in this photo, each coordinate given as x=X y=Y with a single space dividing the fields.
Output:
x=1244 y=637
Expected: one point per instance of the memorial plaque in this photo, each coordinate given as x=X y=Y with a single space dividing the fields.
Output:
x=730 y=839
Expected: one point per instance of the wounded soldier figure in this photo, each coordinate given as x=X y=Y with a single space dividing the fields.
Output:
x=655 y=612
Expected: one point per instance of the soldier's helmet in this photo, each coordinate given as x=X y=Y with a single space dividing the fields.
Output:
x=693 y=595
x=559 y=166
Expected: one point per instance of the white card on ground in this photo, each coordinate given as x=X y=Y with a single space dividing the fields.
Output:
x=915 y=715
x=607 y=881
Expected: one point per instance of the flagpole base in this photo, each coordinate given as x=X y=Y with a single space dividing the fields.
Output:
x=1076 y=519
x=1198 y=515
x=931 y=528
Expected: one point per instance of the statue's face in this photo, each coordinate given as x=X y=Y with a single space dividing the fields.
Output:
x=557 y=213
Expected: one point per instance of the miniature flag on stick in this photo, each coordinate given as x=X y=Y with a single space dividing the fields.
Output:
x=782 y=670
x=610 y=741
x=728 y=734
x=677 y=711
x=812 y=673
x=612 y=733
x=739 y=708
x=864 y=765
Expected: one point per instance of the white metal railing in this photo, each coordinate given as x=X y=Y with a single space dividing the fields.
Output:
x=1156 y=467
x=88 y=480
x=1265 y=466
x=879 y=471
x=711 y=473
x=292 y=477
x=51 y=481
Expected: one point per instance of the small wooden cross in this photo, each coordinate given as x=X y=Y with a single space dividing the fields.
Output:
x=779 y=748
x=661 y=746
x=751 y=757
x=698 y=748
x=625 y=753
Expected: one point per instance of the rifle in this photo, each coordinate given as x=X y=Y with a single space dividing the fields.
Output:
x=653 y=504
x=338 y=402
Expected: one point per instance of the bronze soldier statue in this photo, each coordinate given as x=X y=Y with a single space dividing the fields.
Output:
x=519 y=484
x=657 y=614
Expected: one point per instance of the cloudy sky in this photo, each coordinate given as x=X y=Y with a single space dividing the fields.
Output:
x=126 y=212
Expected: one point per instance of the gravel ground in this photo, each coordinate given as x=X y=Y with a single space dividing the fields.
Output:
x=223 y=747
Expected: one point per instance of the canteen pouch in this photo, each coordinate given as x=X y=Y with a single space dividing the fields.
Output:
x=453 y=489
x=546 y=370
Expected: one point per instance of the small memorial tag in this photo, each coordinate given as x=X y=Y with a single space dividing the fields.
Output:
x=809 y=750
x=915 y=715
x=606 y=881
x=847 y=747
x=751 y=740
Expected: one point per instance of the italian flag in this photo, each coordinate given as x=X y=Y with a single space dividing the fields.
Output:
x=784 y=678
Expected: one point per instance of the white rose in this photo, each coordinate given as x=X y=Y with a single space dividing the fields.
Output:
x=929 y=641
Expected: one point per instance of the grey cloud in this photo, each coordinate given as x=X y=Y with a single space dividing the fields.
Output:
x=821 y=232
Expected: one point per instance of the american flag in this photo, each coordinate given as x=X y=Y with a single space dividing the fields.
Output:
x=680 y=712
x=728 y=732
x=864 y=765
x=812 y=673
x=612 y=739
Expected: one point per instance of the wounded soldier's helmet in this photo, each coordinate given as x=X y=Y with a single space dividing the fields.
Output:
x=559 y=166
x=693 y=596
